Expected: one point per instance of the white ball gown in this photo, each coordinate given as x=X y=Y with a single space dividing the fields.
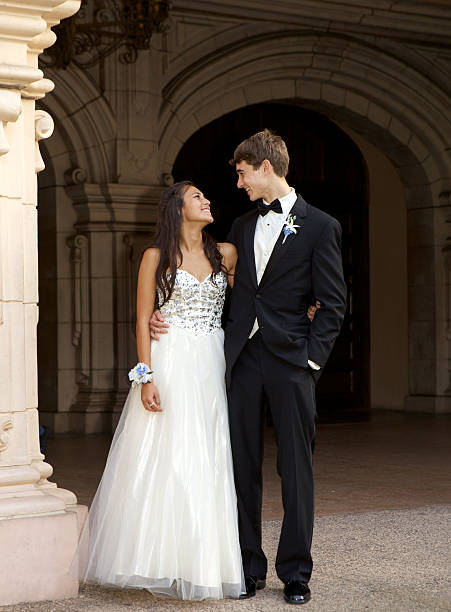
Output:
x=164 y=517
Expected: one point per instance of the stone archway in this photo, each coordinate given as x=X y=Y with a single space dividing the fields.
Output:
x=97 y=232
x=353 y=82
x=79 y=158
x=328 y=170
x=369 y=89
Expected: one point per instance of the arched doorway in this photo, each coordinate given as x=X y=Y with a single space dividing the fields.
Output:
x=329 y=171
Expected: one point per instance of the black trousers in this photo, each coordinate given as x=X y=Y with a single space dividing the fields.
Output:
x=290 y=394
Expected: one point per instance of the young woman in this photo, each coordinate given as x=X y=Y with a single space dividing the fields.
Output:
x=164 y=517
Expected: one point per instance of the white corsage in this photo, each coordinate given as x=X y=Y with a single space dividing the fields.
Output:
x=289 y=227
x=140 y=374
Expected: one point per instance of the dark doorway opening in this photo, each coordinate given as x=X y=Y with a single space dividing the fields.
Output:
x=328 y=170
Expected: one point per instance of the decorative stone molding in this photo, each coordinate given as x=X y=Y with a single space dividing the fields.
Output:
x=100 y=205
x=17 y=24
x=346 y=79
x=34 y=30
x=44 y=126
x=445 y=204
x=52 y=18
x=75 y=176
x=428 y=24
x=38 y=89
x=447 y=261
x=4 y=435
x=167 y=179
x=90 y=124
x=81 y=320
x=10 y=109
x=18 y=77
x=130 y=295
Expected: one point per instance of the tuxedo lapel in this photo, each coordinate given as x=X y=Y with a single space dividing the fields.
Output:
x=299 y=210
x=248 y=237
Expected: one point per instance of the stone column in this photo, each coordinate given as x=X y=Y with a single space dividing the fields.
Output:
x=38 y=521
x=115 y=223
x=429 y=254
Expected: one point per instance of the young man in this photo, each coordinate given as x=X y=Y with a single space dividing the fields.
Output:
x=288 y=253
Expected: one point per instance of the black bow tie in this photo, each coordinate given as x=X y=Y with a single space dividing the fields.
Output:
x=264 y=209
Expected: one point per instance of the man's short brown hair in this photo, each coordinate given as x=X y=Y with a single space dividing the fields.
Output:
x=263 y=145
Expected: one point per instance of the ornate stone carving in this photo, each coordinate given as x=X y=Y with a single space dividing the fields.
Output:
x=10 y=109
x=167 y=179
x=44 y=126
x=4 y=435
x=81 y=319
x=75 y=176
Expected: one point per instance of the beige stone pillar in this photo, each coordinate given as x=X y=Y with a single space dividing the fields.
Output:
x=38 y=521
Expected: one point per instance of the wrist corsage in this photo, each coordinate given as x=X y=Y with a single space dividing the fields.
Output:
x=140 y=374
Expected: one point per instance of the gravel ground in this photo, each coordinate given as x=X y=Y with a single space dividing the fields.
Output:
x=392 y=560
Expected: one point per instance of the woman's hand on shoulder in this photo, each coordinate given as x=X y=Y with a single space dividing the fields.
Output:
x=229 y=259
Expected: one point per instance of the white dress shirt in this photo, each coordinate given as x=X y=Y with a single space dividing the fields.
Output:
x=267 y=231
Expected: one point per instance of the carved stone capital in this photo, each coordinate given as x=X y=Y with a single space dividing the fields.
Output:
x=47 y=38
x=33 y=28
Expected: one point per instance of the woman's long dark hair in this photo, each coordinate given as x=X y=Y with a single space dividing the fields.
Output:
x=167 y=239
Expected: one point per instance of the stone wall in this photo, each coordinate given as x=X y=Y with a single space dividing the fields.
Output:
x=380 y=70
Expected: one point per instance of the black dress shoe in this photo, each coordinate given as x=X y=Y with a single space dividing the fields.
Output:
x=261 y=583
x=251 y=587
x=296 y=592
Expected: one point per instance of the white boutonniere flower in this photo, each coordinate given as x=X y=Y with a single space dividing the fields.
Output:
x=289 y=227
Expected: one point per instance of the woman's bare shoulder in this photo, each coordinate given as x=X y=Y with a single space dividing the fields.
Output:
x=151 y=257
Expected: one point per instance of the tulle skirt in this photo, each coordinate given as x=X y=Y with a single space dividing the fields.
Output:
x=164 y=517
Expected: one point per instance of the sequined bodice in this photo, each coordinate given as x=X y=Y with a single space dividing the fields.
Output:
x=196 y=306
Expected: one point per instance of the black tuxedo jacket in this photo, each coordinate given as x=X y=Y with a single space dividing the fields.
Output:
x=307 y=266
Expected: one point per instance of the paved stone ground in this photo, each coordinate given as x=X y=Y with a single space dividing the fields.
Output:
x=391 y=560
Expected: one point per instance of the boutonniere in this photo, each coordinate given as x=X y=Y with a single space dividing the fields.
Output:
x=289 y=227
